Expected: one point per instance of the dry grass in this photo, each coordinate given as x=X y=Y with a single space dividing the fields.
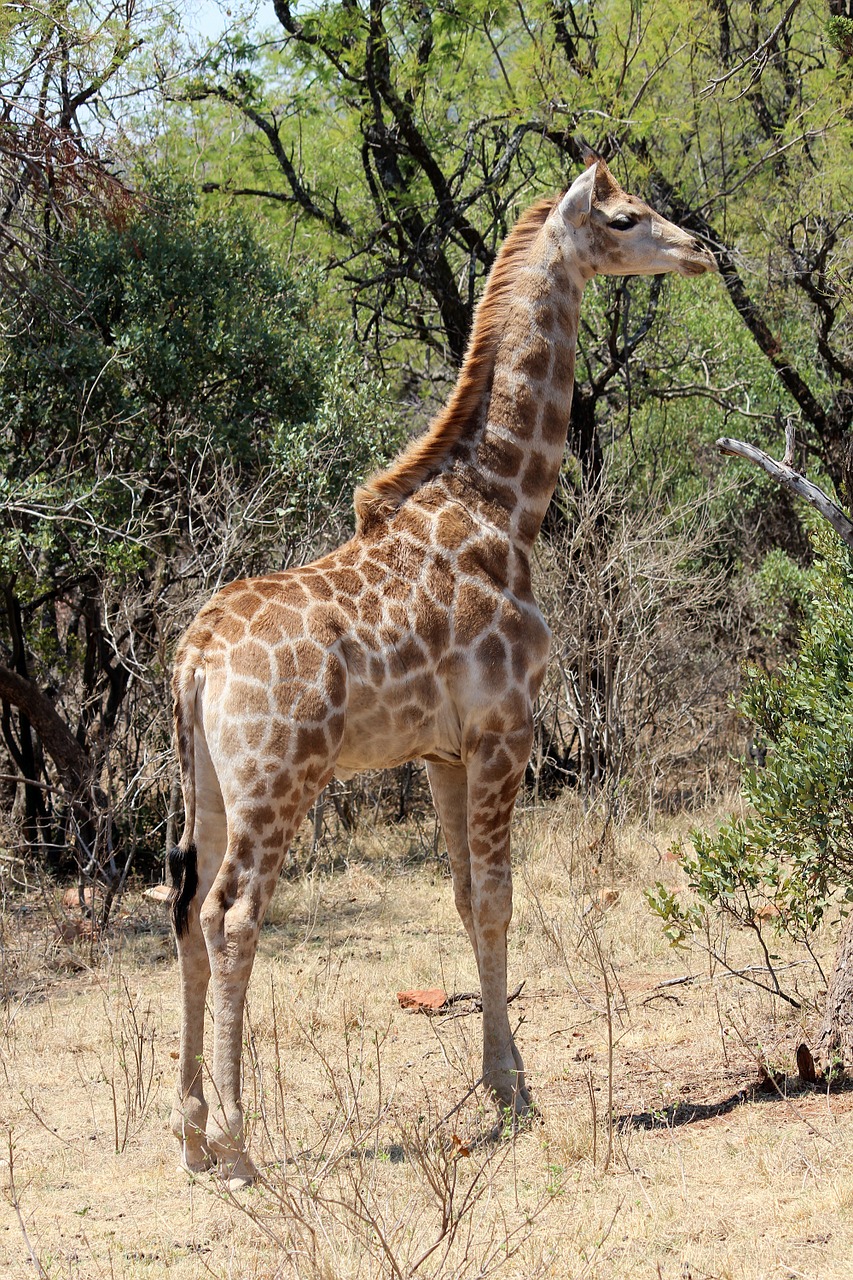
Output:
x=364 y=1175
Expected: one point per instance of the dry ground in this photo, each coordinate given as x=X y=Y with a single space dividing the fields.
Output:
x=370 y=1169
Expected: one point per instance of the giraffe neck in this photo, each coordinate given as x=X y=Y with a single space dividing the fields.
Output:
x=514 y=460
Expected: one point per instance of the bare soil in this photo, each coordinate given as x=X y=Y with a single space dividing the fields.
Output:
x=654 y=1153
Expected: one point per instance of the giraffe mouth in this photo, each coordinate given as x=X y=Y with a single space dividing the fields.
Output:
x=698 y=265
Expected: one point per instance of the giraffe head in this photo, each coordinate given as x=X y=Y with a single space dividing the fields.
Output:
x=615 y=234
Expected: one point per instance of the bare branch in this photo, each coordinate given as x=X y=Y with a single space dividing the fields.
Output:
x=758 y=57
x=786 y=475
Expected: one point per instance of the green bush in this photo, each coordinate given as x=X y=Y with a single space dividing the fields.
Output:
x=176 y=409
x=793 y=849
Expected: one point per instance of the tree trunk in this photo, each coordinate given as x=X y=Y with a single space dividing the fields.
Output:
x=836 y=1039
x=73 y=766
x=57 y=739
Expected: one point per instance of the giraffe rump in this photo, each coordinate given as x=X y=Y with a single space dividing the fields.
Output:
x=423 y=458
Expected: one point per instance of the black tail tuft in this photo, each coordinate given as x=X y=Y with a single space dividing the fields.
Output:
x=183 y=871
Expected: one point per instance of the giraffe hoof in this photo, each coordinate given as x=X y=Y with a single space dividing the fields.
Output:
x=527 y=1111
x=199 y=1160
x=237 y=1174
x=240 y=1182
x=515 y=1107
x=523 y=1104
x=512 y=1120
x=510 y=1092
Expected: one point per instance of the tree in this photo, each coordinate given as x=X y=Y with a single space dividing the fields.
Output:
x=634 y=662
x=403 y=140
x=181 y=414
x=62 y=66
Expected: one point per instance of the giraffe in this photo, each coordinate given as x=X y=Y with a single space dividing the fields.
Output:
x=419 y=638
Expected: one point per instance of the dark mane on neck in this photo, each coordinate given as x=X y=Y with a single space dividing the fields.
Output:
x=424 y=457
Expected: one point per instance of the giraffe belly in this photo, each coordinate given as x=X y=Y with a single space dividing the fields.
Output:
x=381 y=735
x=345 y=770
x=353 y=760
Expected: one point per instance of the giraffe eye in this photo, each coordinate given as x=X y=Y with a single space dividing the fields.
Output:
x=622 y=222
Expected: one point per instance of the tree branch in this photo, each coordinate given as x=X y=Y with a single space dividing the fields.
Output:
x=793 y=480
x=692 y=220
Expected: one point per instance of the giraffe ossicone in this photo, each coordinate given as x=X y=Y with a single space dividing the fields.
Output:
x=419 y=638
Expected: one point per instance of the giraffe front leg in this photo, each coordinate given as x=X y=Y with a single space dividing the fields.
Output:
x=503 y=1067
x=494 y=776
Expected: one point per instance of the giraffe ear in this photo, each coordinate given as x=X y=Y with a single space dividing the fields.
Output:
x=577 y=202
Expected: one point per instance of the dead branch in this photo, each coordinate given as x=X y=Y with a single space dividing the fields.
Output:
x=793 y=480
x=476 y=1005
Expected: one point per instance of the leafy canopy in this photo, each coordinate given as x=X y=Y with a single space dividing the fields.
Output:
x=175 y=343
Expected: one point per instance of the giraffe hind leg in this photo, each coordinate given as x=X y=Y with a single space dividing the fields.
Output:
x=193 y=868
x=189 y=1114
x=231 y=920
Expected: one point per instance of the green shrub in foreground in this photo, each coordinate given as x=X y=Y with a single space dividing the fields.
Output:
x=792 y=852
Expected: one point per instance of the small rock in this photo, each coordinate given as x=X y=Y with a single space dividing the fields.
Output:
x=157 y=893
x=429 y=1001
x=71 y=898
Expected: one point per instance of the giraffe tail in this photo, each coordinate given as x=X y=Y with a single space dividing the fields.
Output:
x=183 y=858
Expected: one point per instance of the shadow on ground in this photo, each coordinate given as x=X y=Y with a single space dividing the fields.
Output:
x=777 y=1088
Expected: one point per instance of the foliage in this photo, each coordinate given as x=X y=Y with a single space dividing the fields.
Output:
x=400 y=142
x=168 y=315
x=180 y=343
x=173 y=412
x=840 y=33
x=64 y=67
x=790 y=857
x=781 y=598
